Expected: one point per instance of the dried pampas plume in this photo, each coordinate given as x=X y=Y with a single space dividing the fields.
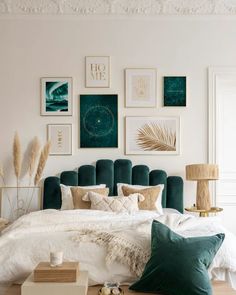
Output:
x=1 y=172
x=42 y=162
x=17 y=157
x=34 y=153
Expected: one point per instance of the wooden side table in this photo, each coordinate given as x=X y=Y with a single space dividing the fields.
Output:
x=204 y=213
x=80 y=287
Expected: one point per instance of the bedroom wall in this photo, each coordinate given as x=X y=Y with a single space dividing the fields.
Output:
x=34 y=47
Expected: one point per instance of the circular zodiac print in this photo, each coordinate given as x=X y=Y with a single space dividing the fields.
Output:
x=98 y=121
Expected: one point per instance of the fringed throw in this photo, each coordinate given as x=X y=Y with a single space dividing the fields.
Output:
x=123 y=247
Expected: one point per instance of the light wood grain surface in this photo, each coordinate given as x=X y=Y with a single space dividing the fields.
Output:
x=67 y=272
x=220 y=288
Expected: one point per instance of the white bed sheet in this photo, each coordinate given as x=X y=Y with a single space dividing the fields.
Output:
x=32 y=237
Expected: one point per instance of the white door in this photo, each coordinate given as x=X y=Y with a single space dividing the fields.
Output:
x=222 y=139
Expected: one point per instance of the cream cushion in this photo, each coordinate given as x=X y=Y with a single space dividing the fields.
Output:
x=150 y=194
x=115 y=204
x=66 y=196
x=158 y=204
x=78 y=193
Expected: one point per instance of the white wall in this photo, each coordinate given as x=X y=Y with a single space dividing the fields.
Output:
x=34 y=47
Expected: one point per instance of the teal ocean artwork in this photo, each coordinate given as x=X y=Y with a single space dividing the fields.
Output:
x=174 y=91
x=98 y=121
x=56 y=94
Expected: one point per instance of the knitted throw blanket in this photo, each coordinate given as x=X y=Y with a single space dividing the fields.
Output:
x=124 y=247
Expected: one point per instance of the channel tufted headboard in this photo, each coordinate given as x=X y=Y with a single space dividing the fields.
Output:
x=111 y=173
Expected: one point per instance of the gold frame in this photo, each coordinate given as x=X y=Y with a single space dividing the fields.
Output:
x=71 y=141
x=55 y=114
x=109 y=71
x=125 y=88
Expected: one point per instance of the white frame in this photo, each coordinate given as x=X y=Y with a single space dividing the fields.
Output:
x=89 y=83
x=129 y=151
x=69 y=130
x=130 y=102
x=43 y=81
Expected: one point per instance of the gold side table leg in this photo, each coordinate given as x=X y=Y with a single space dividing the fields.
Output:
x=204 y=214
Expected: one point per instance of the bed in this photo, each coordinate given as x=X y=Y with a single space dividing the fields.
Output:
x=99 y=239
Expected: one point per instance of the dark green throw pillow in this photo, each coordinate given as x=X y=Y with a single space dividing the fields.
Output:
x=178 y=265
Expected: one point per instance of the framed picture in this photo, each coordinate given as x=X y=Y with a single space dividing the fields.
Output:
x=60 y=136
x=152 y=135
x=56 y=96
x=97 y=71
x=140 y=88
x=175 y=91
x=99 y=121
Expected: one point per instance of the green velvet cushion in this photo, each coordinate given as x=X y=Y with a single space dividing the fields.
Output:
x=178 y=265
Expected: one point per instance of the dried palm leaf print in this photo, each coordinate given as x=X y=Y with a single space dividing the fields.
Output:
x=154 y=137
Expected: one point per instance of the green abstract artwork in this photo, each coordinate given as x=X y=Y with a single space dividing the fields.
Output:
x=56 y=96
x=174 y=91
x=56 y=93
x=99 y=121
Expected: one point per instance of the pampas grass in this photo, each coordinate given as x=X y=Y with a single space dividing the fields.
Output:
x=4 y=183
x=17 y=161
x=34 y=161
x=17 y=156
x=42 y=162
x=34 y=154
x=1 y=173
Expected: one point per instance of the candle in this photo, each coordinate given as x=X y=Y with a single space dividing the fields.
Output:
x=56 y=258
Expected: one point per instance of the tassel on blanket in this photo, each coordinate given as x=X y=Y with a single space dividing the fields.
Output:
x=119 y=249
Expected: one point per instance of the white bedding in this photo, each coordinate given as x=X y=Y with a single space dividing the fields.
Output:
x=32 y=237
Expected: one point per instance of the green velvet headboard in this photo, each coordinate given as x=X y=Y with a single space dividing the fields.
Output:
x=111 y=173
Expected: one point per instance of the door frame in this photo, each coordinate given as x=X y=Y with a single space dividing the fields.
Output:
x=213 y=74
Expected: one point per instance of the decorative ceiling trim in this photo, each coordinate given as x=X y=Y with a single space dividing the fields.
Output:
x=118 y=7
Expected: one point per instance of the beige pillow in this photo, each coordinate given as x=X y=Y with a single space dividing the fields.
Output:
x=150 y=195
x=66 y=195
x=135 y=186
x=78 y=193
x=127 y=204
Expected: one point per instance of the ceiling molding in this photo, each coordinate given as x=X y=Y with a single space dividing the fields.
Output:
x=118 y=7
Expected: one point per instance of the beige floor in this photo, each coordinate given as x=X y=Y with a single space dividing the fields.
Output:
x=219 y=289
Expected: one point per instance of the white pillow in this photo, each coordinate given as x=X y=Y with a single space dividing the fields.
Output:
x=66 y=196
x=170 y=211
x=159 y=197
x=114 y=204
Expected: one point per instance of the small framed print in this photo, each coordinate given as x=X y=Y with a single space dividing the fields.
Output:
x=152 y=135
x=140 y=88
x=97 y=71
x=175 y=91
x=56 y=96
x=60 y=136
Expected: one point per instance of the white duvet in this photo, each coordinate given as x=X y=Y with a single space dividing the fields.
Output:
x=32 y=237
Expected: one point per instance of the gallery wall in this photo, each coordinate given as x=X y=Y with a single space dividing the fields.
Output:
x=42 y=46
